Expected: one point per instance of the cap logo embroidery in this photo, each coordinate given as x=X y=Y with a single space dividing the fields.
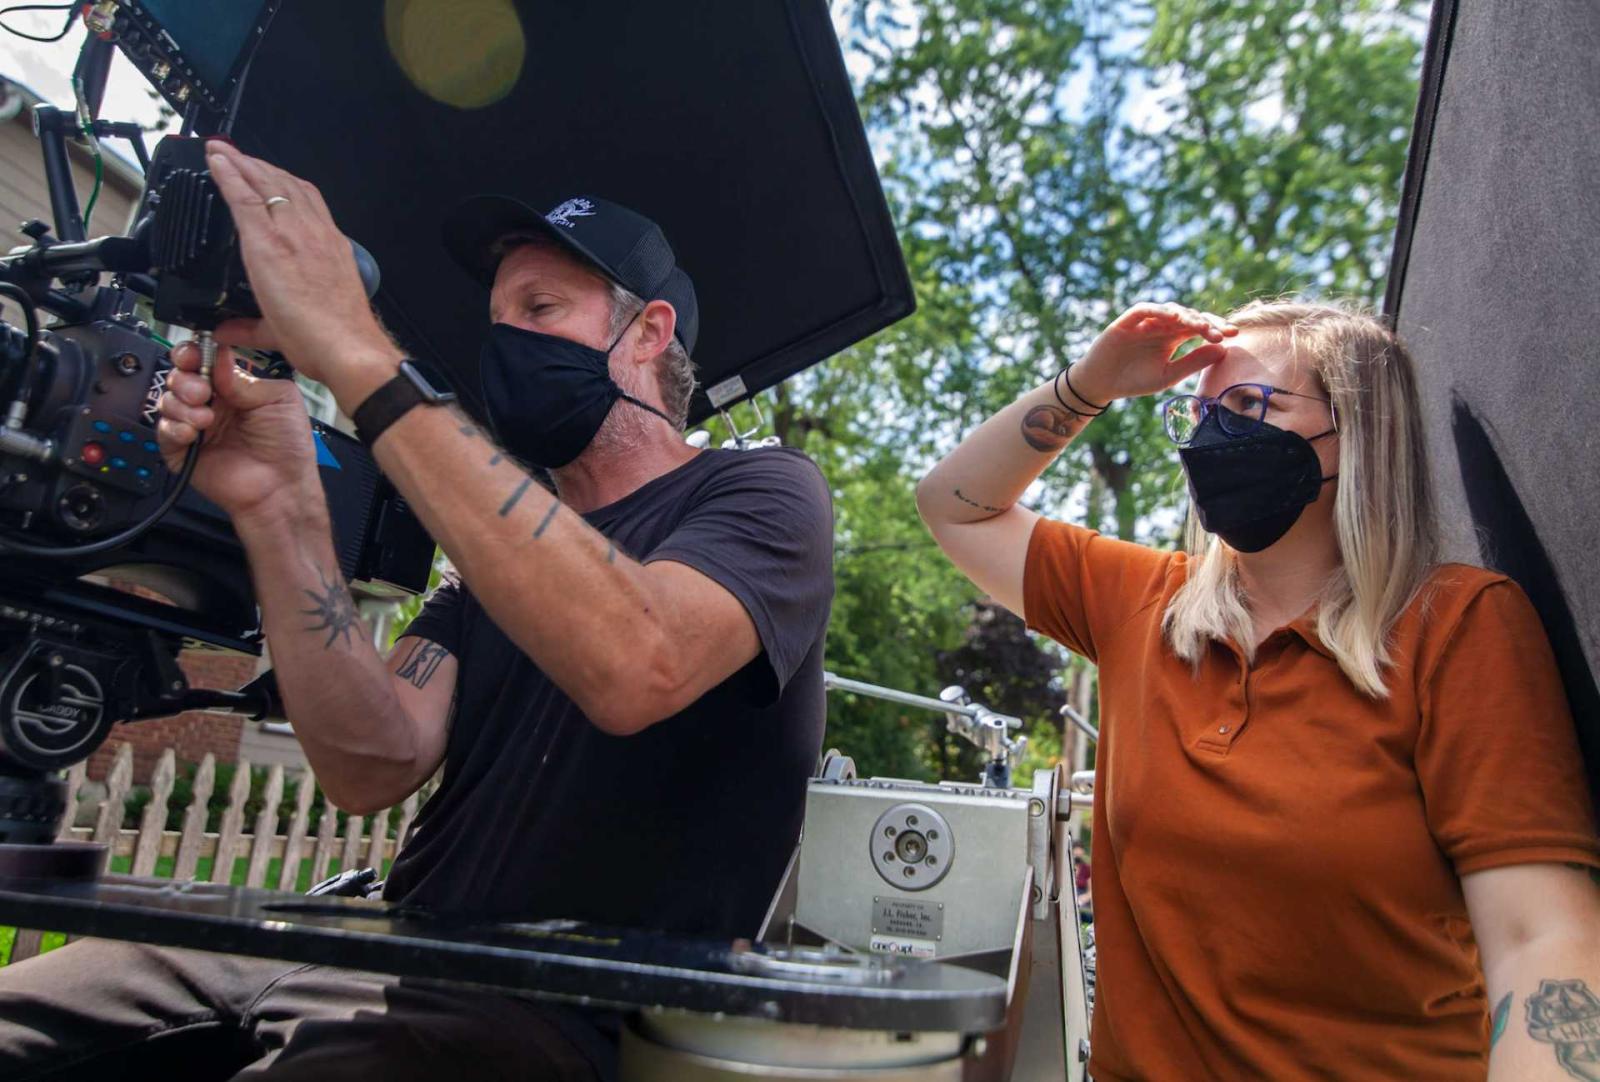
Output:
x=572 y=208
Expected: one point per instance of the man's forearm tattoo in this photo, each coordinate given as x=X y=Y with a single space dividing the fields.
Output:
x=333 y=607
x=970 y=502
x=421 y=663
x=1566 y=1015
x=1502 y=1015
x=516 y=497
x=1048 y=428
x=544 y=523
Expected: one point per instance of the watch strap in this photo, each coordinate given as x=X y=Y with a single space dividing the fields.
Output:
x=390 y=402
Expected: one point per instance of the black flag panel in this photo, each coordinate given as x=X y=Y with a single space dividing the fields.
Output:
x=730 y=123
x=1496 y=286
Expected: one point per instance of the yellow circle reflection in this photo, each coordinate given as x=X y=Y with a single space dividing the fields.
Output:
x=466 y=53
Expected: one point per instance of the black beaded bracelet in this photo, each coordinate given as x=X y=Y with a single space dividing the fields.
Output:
x=1096 y=406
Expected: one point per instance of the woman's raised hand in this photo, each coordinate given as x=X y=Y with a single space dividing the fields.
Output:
x=1133 y=356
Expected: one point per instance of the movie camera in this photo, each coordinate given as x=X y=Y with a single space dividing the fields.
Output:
x=85 y=497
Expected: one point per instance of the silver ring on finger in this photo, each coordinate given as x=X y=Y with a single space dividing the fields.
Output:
x=277 y=200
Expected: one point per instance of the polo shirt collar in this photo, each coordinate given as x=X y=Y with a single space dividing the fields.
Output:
x=1305 y=625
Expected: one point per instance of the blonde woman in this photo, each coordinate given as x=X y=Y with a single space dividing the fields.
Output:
x=1340 y=828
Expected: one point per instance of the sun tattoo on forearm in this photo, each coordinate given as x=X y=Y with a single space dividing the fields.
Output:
x=334 y=607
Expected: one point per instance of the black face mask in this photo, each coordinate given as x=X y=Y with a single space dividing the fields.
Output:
x=1249 y=490
x=548 y=396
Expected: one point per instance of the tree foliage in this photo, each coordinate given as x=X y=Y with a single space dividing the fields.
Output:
x=1050 y=162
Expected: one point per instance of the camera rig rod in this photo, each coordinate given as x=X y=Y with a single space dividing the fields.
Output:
x=971 y=721
x=905 y=698
x=52 y=126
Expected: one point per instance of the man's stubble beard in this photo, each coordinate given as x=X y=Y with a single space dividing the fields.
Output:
x=626 y=426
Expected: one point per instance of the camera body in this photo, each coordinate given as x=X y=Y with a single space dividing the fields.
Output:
x=100 y=381
x=88 y=507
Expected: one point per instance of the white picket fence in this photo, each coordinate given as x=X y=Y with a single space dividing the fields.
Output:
x=365 y=841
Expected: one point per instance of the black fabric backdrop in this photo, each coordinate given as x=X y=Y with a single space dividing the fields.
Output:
x=730 y=122
x=1496 y=286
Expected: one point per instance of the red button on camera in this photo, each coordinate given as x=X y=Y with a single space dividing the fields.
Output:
x=93 y=454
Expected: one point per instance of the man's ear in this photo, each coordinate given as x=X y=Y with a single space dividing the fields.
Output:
x=657 y=324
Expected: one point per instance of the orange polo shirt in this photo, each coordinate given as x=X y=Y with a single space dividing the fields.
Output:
x=1277 y=856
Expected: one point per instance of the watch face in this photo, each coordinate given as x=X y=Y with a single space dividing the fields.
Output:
x=434 y=387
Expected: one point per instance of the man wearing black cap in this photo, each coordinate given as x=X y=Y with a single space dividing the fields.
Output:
x=624 y=688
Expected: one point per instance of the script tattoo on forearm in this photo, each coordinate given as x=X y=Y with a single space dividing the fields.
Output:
x=421 y=662
x=1566 y=1015
x=333 y=607
x=970 y=502
x=1048 y=428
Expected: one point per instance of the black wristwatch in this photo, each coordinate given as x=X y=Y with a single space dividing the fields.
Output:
x=414 y=386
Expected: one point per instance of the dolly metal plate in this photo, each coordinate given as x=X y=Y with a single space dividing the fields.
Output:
x=564 y=960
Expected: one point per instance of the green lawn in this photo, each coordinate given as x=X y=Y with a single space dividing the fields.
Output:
x=241 y=865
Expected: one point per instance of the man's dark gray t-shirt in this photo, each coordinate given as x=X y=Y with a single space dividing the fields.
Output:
x=688 y=825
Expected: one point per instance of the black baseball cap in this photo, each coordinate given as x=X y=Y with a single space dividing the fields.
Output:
x=622 y=244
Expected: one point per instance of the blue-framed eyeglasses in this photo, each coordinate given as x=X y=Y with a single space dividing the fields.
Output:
x=1244 y=409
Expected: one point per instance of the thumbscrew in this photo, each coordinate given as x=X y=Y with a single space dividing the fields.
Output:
x=208 y=354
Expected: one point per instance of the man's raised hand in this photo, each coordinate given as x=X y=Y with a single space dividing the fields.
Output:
x=301 y=271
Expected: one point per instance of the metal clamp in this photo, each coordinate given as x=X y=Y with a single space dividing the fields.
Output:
x=982 y=726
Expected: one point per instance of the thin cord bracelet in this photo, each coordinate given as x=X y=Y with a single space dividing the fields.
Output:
x=1055 y=385
x=1096 y=406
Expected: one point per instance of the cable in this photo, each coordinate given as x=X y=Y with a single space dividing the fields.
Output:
x=236 y=97
x=86 y=125
x=92 y=548
x=72 y=17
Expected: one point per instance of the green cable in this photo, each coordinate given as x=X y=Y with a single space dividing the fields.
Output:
x=99 y=177
x=86 y=125
x=160 y=339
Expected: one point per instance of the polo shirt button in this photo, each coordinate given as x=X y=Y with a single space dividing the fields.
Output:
x=1223 y=730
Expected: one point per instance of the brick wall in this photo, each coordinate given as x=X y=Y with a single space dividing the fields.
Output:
x=190 y=735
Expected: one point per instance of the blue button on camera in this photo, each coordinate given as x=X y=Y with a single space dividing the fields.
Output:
x=125 y=437
x=152 y=447
x=102 y=426
x=119 y=463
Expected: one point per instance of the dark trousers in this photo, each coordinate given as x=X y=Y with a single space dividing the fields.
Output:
x=109 y=1010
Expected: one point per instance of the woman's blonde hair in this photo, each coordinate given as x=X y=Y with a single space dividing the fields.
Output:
x=1383 y=511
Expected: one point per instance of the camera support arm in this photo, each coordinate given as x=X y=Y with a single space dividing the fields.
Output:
x=971 y=721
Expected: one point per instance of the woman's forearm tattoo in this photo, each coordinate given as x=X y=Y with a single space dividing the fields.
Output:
x=1047 y=429
x=1565 y=1014
x=1497 y=1023
x=981 y=506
